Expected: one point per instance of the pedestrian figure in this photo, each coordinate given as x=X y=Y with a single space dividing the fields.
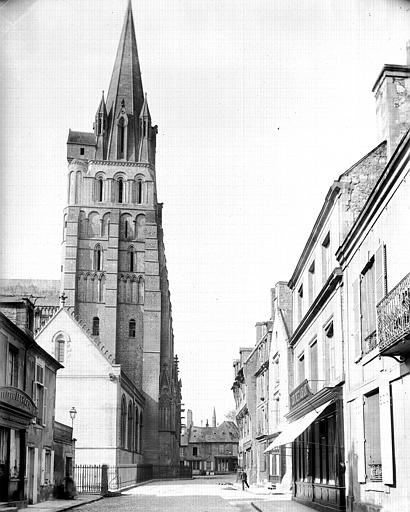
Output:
x=244 y=478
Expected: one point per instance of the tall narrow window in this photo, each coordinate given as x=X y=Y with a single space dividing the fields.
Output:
x=131 y=258
x=13 y=366
x=139 y=191
x=314 y=374
x=137 y=430
x=141 y=425
x=141 y=290
x=311 y=282
x=120 y=190
x=121 y=138
x=326 y=257
x=59 y=348
x=123 y=426
x=99 y=189
x=372 y=436
x=301 y=368
x=96 y=326
x=329 y=352
x=131 y=329
x=368 y=307
x=97 y=258
x=300 y=303
x=130 y=440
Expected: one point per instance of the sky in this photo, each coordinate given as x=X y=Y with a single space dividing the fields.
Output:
x=260 y=105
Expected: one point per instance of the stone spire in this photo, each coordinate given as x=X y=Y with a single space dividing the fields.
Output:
x=100 y=130
x=214 y=418
x=125 y=97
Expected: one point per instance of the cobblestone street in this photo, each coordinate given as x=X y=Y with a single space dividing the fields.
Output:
x=199 y=495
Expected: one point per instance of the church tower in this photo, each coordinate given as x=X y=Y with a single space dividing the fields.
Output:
x=114 y=269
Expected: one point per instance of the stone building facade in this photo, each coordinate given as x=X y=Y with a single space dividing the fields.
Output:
x=210 y=449
x=27 y=401
x=115 y=307
x=346 y=345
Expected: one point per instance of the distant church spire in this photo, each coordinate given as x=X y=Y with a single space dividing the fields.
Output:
x=125 y=97
x=214 y=418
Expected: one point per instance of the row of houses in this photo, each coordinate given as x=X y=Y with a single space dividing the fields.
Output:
x=321 y=398
x=36 y=452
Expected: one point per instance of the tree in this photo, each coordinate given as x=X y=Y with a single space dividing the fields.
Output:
x=231 y=416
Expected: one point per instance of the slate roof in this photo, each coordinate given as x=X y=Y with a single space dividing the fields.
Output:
x=226 y=432
x=85 y=138
x=42 y=292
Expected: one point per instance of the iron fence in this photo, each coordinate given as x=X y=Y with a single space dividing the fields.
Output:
x=96 y=479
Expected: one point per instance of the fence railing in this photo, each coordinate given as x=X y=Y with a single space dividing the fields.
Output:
x=98 y=479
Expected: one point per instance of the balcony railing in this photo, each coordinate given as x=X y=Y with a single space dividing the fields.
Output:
x=393 y=321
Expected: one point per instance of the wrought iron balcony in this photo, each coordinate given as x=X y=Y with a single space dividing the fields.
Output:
x=393 y=321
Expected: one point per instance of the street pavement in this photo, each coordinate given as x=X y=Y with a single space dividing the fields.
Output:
x=217 y=494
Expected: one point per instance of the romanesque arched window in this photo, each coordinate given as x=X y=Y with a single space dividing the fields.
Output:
x=123 y=419
x=131 y=328
x=98 y=263
x=99 y=189
x=96 y=326
x=131 y=259
x=141 y=290
x=121 y=139
x=120 y=190
x=139 y=192
x=126 y=227
x=130 y=440
x=137 y=430
x=60 y=345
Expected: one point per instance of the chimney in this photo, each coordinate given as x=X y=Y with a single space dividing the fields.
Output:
x=392 y=92
x=283 y=296
x=214 y=418
x=261 y=329
x=189 y=422
x=272 y=303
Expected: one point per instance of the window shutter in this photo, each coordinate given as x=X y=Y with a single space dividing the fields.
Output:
x=45 y=406
x=42 y=466
x=356 y=318
x=386 y=439
x=52 y=467
x=381 y=274
x=358 y=411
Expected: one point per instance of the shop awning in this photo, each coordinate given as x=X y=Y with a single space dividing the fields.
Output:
x=294 y=429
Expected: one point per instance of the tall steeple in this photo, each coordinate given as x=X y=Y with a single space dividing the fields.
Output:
x=125 y=97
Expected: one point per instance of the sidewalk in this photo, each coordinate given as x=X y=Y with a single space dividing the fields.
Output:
x=278 y=505
x=57 y=505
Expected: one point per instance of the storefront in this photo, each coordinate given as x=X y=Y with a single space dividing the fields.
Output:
x=315 y=430
x=17 y=410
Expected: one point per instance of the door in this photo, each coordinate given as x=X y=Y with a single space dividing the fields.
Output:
x=4 y=462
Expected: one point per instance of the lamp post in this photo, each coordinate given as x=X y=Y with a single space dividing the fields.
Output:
x=73 y=412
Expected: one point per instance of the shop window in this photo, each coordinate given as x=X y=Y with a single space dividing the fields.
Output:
x=13 y=366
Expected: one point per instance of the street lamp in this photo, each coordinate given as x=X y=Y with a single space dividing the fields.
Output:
x=73 y=412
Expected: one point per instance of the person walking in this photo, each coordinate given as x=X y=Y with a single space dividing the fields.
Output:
x=244 y=478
